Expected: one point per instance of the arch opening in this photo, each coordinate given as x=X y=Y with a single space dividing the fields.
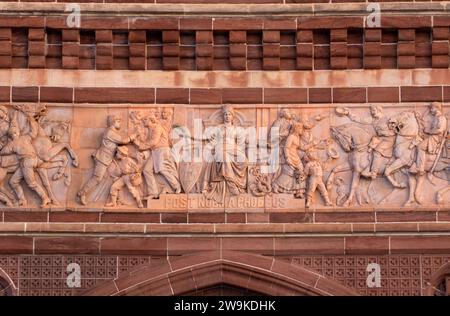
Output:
x=239 y=271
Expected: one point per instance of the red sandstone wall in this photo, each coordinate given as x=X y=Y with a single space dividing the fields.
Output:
x=295 y=59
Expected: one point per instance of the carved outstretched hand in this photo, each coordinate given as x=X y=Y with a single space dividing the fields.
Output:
x=342 y=111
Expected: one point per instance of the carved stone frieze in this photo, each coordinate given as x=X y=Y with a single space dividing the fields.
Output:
x=228 y=157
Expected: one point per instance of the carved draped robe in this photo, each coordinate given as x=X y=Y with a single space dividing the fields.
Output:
x=228 y=172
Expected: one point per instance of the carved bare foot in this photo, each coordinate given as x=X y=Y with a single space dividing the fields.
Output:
x=22 y=202
x=82 y=198
x=410 y=202
x=418 y=200
x=347 y=202
x=45 y=202
x=439 y=198
x=111 y=204
x=140 y=205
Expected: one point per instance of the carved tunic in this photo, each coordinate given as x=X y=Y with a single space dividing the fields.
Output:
x=21 y=146
x=384 y=143
x=229 y=171
x=128 y=166
x=436 y=134
x=291 y=152
x=111 y=139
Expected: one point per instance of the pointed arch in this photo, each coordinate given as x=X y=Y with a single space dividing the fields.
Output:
x=437 y=277
x=7 y=286
x=190 y=273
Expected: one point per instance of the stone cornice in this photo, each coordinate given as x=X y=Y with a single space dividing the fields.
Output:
x=125 y=9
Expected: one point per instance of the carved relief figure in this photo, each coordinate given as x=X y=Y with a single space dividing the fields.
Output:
x=228 y=172
x=434 y=136
x=161 y=160
x=104 y=156
x=129 y=176
x=354 y=139
x=382 y=143
x=314 y=172
x=4 y=125
x=289 y=179
x=21 y=146
x=428 y=154
x=283 y=126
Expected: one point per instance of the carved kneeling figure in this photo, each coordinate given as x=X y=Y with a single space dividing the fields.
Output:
x=130 y=176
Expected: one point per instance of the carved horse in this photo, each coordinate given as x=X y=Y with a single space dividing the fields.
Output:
x=8 y=164
x=49 y=149
x=354 y=139
x=408 y=127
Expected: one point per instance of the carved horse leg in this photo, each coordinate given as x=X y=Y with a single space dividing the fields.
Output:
x=412 y=182
x=3 y=196
x=391 y=169
x=440 y=194
x=339 y=168
x=56 y=149
x=61 y=162
x=365 y=196
x=42 y=171
x=355 y=182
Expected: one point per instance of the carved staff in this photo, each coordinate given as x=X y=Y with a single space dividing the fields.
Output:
x=430 y=174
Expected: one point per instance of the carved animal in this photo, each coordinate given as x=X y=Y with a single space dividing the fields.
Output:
x=49 y=149
x=261 y=185
x=408 y=127
x=354 y=140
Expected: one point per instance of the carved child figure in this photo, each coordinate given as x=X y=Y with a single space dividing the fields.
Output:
x=129 y=176
x=313 y=170
x=103 y=157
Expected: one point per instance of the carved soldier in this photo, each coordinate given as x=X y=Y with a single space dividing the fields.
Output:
x=104 y=156
x=435 y=132
x=130 y=176
x=21 y=146
x=314 y=173
x=382 y=144
x=167 y=119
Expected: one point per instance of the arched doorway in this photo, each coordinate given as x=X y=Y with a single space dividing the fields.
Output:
x=223 y=290
x=439 y=284
x=242 y=272
x=7 y=287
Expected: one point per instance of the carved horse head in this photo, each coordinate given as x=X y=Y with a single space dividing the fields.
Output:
x=405 y=123
x=351 y=136
x=59 y=130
